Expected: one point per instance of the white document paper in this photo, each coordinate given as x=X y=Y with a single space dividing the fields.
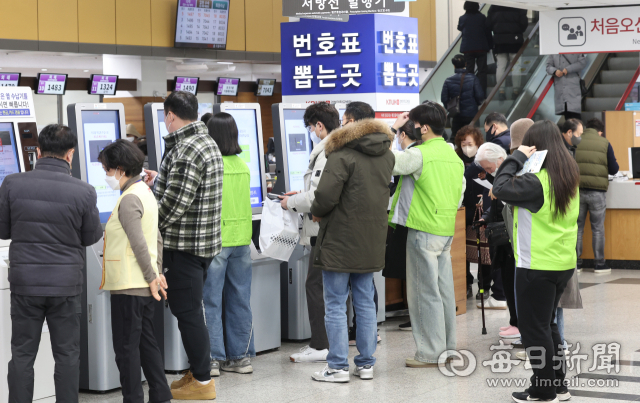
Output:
x=534 y=163
x=484 y=183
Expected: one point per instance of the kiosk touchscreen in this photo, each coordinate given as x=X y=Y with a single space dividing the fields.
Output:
x=249 y=122
x=155 y=130
x=341 y=108
x=293 y=146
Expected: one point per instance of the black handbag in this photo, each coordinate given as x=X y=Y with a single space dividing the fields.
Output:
x=496 y=231
x=453 y=105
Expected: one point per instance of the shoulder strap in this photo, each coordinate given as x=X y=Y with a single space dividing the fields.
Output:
x=462 y=81
x=565 y=58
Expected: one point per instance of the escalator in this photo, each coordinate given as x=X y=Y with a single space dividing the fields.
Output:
x=608 y=77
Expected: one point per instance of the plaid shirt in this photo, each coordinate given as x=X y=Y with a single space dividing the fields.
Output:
x=189 y=192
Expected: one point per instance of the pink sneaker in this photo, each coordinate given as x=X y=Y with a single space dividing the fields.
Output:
x=505 y=328
x=512 y=333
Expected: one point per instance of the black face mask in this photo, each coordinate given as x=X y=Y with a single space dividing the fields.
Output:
x=418 y=133
x=491 y=133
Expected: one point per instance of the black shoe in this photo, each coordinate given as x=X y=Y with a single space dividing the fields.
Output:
x=602 y=269
x=469 y=293
x=502 y=96
x=405 y=326
x=563 y=393
x=523 y=397
x=486 y=295
x=515 y=95
x=517 y=344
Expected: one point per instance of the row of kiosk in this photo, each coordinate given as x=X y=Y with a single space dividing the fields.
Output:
x=277 y=315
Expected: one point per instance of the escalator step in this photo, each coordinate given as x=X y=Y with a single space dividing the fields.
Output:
x=616 y=76
x=623 y=63
x=608 y=90
x=602 y=104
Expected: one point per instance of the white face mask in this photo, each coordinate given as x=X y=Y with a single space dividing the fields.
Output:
x=168 y=127
x=314 y=137
x=399 y=144
x=470 y=151
x=112 y=181
x=493 y=174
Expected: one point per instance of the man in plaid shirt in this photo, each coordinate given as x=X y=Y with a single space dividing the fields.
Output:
x=189 y=193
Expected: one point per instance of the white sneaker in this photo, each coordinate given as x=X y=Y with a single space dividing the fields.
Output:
x=365 y=372
x=492 y=303
x=522 y=355
x=332 y=375
x=308 y=354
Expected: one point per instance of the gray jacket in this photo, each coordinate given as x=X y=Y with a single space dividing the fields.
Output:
x=567 y=88
x=50 y=218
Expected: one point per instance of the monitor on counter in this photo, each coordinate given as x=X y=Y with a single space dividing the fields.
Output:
x=103 y=84
x=293 y=146
x=188 y=84
x=228 y=86
x=8 y=151
x=249 y=122
x=202 y=24
x=10 y=79
x=51 y=84
x=155 y=131
x=97 y=126
x=265 y=87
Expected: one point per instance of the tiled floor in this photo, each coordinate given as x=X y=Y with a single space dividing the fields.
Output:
x=610 y=315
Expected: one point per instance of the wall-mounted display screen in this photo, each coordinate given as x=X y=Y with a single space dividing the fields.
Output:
x=8 y=153
x=162 y=131
x=52 y=84
x=103 y=85
x=100 y=128
x=9 y=79
x=248 y=138
x=188 y=84
x=298 y=146
x=202 y=24
x=228 y=86
x=266 y=87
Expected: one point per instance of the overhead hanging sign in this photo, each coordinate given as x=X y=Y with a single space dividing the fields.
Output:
x=590 y=30
x=335 y=9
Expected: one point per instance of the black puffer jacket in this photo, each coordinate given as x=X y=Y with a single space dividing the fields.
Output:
x=50 y=218
x=508 y=25
x=472 y=93
x=476 y=37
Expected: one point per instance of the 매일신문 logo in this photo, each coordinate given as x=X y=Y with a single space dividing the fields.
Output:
x=572 y=31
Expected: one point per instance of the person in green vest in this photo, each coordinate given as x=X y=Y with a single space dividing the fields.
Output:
x=426 y=201
x=545 y=229
x=229 y=274
x=596 y=161
x=131 y=272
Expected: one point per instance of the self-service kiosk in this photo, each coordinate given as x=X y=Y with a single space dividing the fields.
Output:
x=97 y=126
x=265 y=278
x=293 y=149
x=18 y=142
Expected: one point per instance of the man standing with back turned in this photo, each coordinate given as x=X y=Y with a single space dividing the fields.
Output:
x=50 y=218
x=189 y=193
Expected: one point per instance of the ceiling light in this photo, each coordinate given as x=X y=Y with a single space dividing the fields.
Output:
x=86 y=71
x=190 y=67
x=43 y=69
x=225 y=62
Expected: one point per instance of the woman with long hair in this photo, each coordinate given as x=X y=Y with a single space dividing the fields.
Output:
x=545 y=230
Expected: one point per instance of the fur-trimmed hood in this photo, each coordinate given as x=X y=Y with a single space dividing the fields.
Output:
x=368 y=136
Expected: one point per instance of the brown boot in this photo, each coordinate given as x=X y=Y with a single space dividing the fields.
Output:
x=194 y=390
x=187 y=378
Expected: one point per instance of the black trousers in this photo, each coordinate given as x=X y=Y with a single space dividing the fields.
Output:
x=538 y=293
x=503 y=268
x=457 y=123
x=479 y=59
x=315 y=306
x=186 y=274
x=135 y=345
x=63 y=319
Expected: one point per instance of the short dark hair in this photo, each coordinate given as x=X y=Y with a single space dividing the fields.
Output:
x=122 y=154
x=431 y=114
x=324 y=113
x=183 y=104
x=224 y=131
x=359 y=111
x=56 y=141
x=205 y=118
x=570 y=124
x=459 y=62
x=495 y=117
x=471 y=7
x=409 y=129
x=595 y=123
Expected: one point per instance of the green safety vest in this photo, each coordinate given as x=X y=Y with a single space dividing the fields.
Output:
x=236 y=214
x=542 y=243
x=430 y=204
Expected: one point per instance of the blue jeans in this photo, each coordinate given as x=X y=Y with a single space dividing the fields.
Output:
x=229 y=277
x=430 y=294
x=336 y=291
x=559 y=320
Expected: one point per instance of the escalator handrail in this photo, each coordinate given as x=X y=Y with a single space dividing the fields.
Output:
x=627 y=92
x=495 y=90
x=540 y=99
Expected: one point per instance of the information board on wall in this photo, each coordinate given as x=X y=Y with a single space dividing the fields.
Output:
x=188 y=84
x=9 y=79
x=16 y=101
x=306 y=8
x=52 y=84
x=103 y=85
x=202 y=24
x=228 y=86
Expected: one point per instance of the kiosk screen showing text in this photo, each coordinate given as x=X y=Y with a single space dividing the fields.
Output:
x=101 y=128
x=298 y=147
x=162 y=131
x=248 y=140
x=8 y=156
x=202 y=24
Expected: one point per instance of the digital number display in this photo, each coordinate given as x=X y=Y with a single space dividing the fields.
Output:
x=188 y=84
x=103 y=85
x=228 y=86
x=202 y=24
x=265 y=87
x=52 y=84
x=9 y=79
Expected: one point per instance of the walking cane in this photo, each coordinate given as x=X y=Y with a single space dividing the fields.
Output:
x=477 y=226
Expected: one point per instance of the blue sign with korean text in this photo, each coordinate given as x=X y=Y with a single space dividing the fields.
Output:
x=370 y=54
